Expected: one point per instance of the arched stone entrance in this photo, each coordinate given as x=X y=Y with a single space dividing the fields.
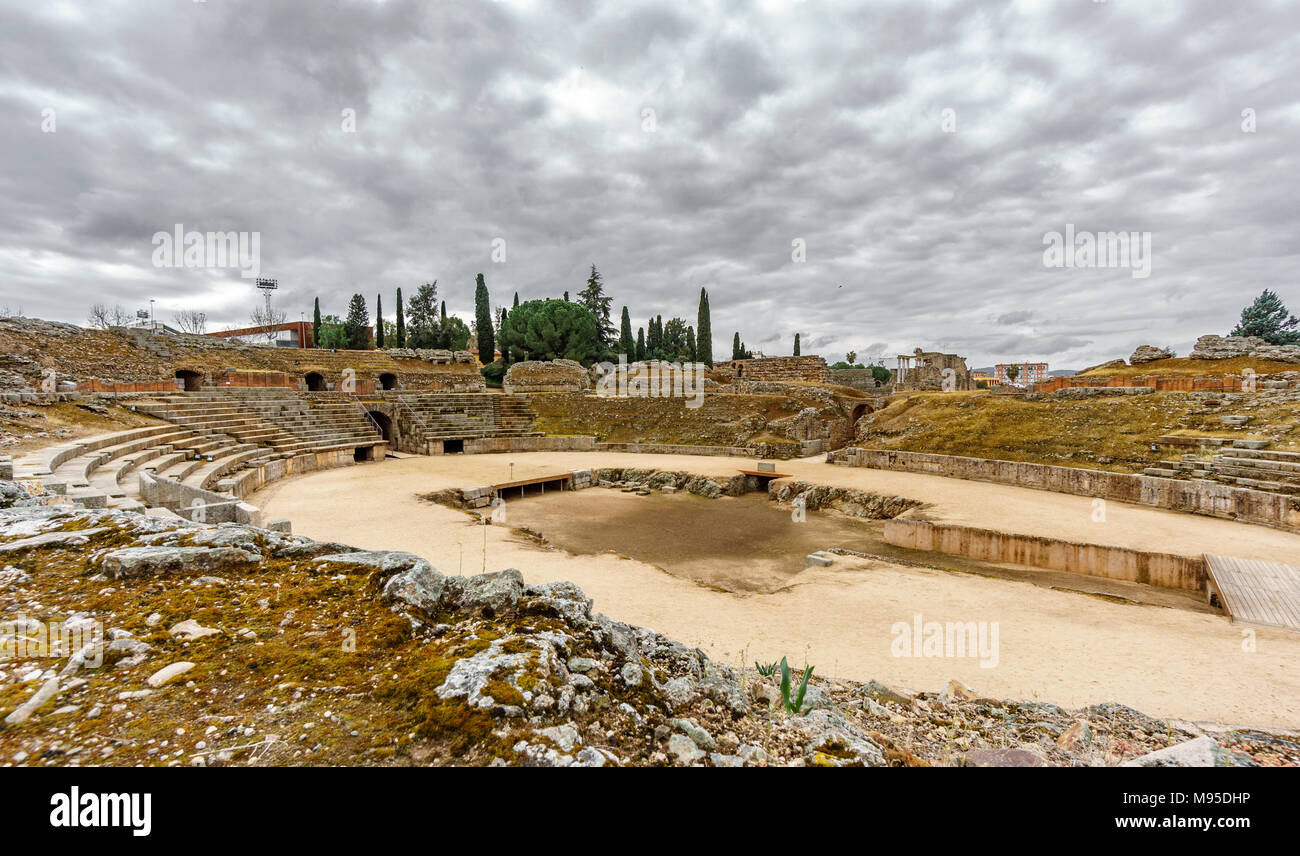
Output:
x=383 y=423
x=388 y=380
x=193 y=380
x=315 y=381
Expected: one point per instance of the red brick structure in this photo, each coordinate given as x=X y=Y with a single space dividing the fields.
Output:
x=1160 y=383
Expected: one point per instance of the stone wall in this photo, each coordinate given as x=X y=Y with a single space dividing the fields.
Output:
x=437 y=357
x=811 y=369
x=249 y=481
x=483 y=445
x=669 y=449
x=532 y=376
x=124 y=360
x=195 y=503
x=860 y=379
x=1098 y=560
x=1163 y=383
x=1210 y=499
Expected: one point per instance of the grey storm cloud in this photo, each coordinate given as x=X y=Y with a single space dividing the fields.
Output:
x=676 y=145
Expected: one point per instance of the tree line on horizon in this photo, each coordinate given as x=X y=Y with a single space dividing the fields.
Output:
x=579 y=329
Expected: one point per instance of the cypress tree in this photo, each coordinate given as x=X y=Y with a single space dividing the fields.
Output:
x=691 y=349
x=704 y=340
x=640 y=344
x=735 y=346
x=655 y=338
x=401 y=323
x=354 y=326
x=796 y=344
x=379 y=321
x=315 y=324
x=483 y=323
x=625 y=343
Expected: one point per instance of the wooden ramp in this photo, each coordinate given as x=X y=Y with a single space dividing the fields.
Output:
x=1255 y=592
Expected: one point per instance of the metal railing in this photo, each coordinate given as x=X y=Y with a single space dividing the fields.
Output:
x=374 y=423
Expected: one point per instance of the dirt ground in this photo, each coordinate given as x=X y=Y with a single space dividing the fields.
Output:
x=1058 y=646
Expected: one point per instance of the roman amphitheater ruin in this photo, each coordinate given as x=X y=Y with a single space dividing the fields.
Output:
x=788 y=514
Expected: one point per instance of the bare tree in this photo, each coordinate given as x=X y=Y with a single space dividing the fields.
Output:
x=98 y=316
x=103 y=316
x=191 y=321
x=266 y=319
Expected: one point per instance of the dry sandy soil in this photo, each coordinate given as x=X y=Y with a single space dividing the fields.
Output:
x=1056 y=646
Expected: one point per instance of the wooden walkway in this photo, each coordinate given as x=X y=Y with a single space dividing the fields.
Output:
x=1255 y=592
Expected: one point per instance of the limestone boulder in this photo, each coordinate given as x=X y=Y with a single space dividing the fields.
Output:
x=1211 y=347
x=492 y=595
x=1149 y=354
x=832 y=742
x=154 y=561
x=1281 y=353
x=1199 y=752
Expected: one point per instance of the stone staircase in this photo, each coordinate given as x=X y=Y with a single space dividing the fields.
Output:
x=445 y=416
x=1248 y=467
x=207 y=441
x=212 y=440
x=99 y=472
x=284 y=420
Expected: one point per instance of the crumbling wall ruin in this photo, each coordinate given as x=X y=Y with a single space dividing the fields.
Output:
x=810 y=369
x=532 y=376
x=932 y=371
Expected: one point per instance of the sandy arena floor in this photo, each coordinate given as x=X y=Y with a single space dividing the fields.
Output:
x=1062 y=647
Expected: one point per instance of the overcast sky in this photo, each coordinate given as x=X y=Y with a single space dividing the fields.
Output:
x=675 y=144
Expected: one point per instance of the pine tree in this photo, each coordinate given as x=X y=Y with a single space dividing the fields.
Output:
x=1268 y=319
x=593 y=297
x=796 y=344
x=315 y=325
x=625 y=344
x=704 y=339
x=354 y=326
x=401 y=323
x=483 y=323
x=640 y=344
x=379 y=321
